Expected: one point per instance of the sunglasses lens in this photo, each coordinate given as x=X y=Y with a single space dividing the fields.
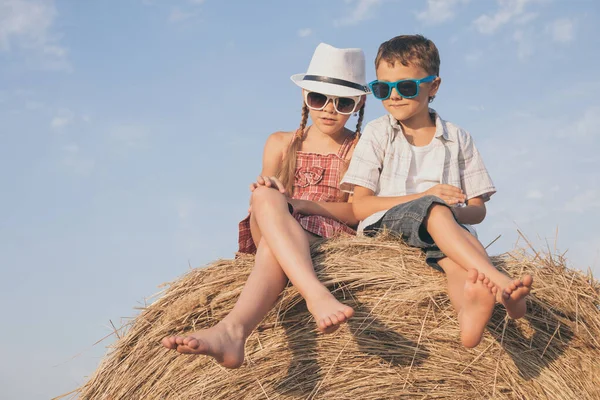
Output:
x=380 y=90
x=316 y=100
x=407 y=88
x=345 y=105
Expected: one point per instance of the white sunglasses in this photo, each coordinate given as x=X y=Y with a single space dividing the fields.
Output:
x=343 y=105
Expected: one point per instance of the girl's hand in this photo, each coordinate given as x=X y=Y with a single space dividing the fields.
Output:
x=268 y=181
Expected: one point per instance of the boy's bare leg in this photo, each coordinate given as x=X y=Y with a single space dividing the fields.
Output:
x=290 y=245
x=454 y=241
x=473 y=297
x=225 y=341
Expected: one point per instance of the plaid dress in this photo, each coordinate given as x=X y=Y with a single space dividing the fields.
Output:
x=317 y=178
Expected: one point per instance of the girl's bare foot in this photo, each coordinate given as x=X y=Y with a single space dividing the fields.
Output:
x=512 y=296
x=328 y=312
x=223 y=342
x=477 y=308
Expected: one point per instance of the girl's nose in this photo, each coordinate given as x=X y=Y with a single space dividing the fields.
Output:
x=329 y=106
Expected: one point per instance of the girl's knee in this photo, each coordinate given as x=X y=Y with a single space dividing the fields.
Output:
x=263 y=195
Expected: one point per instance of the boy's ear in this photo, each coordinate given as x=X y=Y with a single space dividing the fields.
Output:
x=435 y=85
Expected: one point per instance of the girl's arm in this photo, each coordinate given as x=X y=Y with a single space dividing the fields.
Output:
x=273 y=153
x=341 y=211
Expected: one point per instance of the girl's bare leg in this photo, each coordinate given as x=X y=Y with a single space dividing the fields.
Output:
x=290 y=245
x=225 y=341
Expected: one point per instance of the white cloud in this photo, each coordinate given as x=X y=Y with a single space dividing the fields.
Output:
x=438 y=11
x=588 y=125
x=177 y=15
x=476 y=108
x=63 y=119
x=359 y=11
x=129 y=136
x=584 y=202
x=526 y=18
x=76 y=162
x=185 y=208
x=26 y=25
x=473 y=58
x=534 y=194
x=524 y=44
x=304 y=32
x=562 y=30
x=508 y=11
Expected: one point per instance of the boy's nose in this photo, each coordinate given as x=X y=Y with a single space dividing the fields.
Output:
x=395 y=95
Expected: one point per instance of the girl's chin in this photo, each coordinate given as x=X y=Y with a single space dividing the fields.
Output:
x=328 y=127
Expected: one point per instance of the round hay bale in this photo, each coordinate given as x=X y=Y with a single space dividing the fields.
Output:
x=403 y=341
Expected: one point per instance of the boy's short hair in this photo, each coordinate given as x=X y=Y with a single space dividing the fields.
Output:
x=410 y=49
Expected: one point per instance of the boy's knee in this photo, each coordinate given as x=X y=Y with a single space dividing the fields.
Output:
x=437 y=209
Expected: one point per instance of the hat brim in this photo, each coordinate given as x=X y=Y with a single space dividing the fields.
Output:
x=326 y=88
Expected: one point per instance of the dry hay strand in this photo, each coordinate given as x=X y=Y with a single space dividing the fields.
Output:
x=403 y=341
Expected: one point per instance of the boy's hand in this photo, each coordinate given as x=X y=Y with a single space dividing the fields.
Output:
x=268 y=181
x=450 y=194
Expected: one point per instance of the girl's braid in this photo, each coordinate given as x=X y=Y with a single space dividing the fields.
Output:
x=361 y=115
x=303 y=122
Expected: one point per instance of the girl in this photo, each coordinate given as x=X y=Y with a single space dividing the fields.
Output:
x=295 y=200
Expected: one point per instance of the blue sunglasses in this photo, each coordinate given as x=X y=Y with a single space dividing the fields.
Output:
x=407 y=88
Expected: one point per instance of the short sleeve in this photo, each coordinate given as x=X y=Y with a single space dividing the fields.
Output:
x=367 y=161
x=474 y=177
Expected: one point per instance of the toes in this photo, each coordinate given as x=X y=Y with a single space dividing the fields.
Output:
x=348 y=312
x=527 y=280
x=184 y=350
x=518 y=282
x=480 y=277
x=472 y=275
x=486 y=281
x=341 y=316
x=494 y=290
x=335 y=319
x=169 y=342
x=179 y=340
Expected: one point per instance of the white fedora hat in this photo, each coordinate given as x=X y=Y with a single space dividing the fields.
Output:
x=336 y=72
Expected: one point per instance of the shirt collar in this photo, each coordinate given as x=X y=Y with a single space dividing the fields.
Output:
x=440 y=125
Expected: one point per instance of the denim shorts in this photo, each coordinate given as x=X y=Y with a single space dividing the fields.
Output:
x=406 y=220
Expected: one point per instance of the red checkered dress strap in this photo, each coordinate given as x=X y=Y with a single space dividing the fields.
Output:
x=346 y=146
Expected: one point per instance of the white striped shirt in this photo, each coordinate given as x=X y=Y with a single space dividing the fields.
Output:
x=382 y=158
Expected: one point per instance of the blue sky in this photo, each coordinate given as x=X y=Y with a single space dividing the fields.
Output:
x=130 y=130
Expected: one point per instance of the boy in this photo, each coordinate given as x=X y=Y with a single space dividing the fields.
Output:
x=421 y=177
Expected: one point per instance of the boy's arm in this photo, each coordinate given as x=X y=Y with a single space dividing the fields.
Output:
x=473 y=213
x=366 y=203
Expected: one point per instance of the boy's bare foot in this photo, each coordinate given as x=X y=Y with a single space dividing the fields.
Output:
x=223 y=342
x=328 y=312
x=513 y=296
x=477 y=307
